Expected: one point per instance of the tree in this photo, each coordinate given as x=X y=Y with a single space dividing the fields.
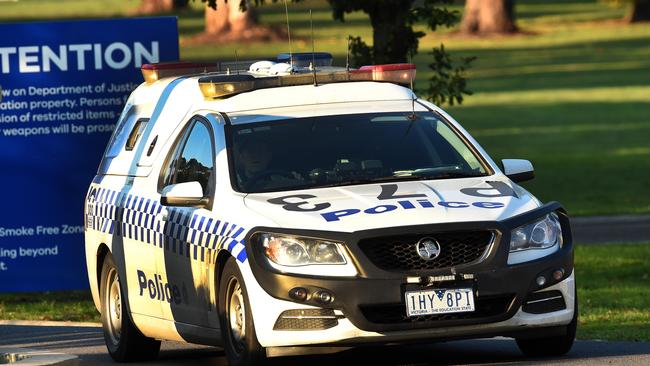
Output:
x=231 y=21
x=228 y=18
x=395 y=40
x=640 y=11
x=161 y=6
x=489 y=17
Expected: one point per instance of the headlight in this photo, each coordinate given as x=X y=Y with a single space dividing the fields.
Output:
x=535 y=240
x=305 y=256
x=291 y=251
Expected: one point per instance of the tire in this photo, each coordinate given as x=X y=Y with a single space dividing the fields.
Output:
x=551 y=346
x=124 y=341
x=237 y=328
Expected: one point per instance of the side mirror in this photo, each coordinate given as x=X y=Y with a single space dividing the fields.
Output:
x=518 y=170
x=184 y=194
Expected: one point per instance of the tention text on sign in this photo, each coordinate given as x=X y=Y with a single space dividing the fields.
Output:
x=116 y=56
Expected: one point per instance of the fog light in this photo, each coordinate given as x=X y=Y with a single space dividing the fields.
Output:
x=299 y=293
x=324 y=297
x=558 y=274
x=541 y=281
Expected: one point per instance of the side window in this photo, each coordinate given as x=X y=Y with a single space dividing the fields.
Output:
x=124 y=127
x=136 y=132
x=193 y=158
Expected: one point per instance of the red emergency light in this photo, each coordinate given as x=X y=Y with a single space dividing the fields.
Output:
x=395 y=73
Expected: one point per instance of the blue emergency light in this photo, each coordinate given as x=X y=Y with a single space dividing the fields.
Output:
x=304 y=59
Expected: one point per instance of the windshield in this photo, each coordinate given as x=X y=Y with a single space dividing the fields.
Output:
x=325 y=151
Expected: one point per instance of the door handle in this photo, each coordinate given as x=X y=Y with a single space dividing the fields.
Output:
x=163 y=216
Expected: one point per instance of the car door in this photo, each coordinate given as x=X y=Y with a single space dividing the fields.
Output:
x=186 y=261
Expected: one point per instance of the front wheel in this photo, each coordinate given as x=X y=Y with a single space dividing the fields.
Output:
x=124 y=341
x=237 y=329
x=552 y=346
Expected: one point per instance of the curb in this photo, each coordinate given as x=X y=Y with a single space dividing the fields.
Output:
x=38 y=323
x=611 y=220
x=629 y=229
x=27 y=357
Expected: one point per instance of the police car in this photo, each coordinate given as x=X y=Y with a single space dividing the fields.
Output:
x=286 y=207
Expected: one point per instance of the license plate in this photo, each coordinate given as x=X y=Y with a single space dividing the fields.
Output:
x=439 y=301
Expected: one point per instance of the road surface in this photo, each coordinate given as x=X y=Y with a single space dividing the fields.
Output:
x=88 y=343
x=611 y=229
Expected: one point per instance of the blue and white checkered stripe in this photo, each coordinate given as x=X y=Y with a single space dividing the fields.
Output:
x=183 y=233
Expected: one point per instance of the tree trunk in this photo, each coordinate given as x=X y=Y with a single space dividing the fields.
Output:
x=640 y=11
x=489 y=17
x=161 y=6
x=228 y=19
x=392 y=39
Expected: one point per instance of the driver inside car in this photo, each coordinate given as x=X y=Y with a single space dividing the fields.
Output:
x=253 y=158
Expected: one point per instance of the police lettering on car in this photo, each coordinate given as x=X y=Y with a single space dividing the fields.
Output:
x=255 y=211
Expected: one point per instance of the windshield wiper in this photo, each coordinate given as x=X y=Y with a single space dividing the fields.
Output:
x=449 y=175
x=404 y=178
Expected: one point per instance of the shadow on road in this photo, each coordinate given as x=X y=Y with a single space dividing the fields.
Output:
x=88 y=344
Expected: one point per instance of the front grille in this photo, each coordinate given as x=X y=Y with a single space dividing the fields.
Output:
x=486 y=307
x=399 y=253
x=306 y=319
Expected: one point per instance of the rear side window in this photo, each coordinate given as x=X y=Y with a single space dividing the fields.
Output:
x=135 y=134
x=121 y=134
x=193 y=158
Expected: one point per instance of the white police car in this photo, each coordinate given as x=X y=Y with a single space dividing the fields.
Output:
x=287 y=209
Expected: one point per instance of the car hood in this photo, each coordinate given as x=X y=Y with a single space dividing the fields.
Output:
x=371 y=206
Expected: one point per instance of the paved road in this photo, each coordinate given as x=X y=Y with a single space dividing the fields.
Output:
x=88 y=343
x=611 y=229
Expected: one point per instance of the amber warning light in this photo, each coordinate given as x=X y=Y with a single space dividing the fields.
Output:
x=153 y=72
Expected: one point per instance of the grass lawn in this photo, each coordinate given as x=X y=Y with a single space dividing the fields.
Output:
x=55 y=306
x=613 y=287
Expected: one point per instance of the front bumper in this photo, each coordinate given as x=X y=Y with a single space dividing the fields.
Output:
x=370 y=307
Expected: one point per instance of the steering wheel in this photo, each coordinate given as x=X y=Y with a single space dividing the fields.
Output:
x=252 y=181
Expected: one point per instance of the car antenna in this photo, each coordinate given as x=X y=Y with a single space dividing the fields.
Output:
x=236 y=62
x=347 y=57
x=286 y=12
x=313 y=48
x=413 y=116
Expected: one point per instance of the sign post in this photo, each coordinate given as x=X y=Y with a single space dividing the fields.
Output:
x=63 y=85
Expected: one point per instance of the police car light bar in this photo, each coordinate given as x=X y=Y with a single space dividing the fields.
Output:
x=221 y=86
x=396 y=73
x=154 y=72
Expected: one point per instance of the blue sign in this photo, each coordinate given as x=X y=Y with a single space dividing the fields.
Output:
x=64 y=85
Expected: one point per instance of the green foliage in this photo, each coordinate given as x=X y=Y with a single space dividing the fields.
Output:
x=361 y=54
x=448 y=82
x=395 y=40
